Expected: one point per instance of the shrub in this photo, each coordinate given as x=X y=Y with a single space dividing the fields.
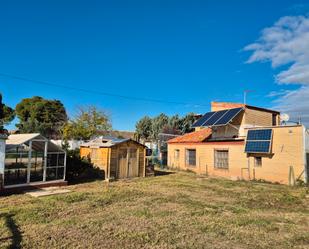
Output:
x=79 y=169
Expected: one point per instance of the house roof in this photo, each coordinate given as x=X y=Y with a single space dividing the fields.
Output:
x=117 y=134
x=106 y=142
x=216 y=106
x=261 y=109
x=192 y=137
x=16 y=140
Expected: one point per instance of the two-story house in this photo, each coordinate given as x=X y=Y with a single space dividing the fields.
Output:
x=240 y=141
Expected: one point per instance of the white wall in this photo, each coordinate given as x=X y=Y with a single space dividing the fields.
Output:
x=2 y=155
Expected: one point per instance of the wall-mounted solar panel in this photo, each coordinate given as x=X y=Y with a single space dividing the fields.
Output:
x=214 y=118
x=258 y=141
x=203 y=119
x=228 y=116
x=261 y=134
x=257 y=147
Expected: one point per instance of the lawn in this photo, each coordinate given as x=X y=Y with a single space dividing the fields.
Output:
x=180 y=210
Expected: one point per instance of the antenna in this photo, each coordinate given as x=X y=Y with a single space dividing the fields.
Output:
x=245 y=94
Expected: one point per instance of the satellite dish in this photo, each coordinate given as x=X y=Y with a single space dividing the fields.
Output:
x=284 y=117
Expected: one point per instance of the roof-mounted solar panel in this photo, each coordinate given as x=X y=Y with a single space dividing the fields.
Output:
x=259 y=141
x=214 y=118
x=228 y=116
x=218 y=118
x=203 y=119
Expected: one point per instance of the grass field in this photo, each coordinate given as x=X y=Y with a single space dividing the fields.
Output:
x=180 y=210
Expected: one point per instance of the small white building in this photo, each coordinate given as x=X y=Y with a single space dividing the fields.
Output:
x=31 y=160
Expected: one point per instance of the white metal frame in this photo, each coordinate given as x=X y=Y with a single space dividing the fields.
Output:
x=45 y=166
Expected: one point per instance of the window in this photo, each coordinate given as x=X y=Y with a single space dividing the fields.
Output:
x=191 y=157
x=258 y=161
x=221 y=159
x=176 y=155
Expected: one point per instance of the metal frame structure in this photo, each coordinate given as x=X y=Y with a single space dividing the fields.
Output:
x=35 y=155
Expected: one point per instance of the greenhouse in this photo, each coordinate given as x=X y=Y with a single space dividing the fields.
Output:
x=31 y=159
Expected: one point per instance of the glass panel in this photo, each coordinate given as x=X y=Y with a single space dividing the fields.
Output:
x=52 y=160
x=54 y=173
x=191 y=157
x=15 y=176
x=37 y=161
x=61 y=159
x=15 y=168
x=222 y=159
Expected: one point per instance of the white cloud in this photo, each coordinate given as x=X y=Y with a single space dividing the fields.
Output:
x=286 y=43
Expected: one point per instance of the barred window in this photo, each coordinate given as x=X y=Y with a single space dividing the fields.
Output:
x=191 y=157
x=222 y=159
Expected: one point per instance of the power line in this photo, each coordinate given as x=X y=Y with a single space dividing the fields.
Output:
x=39 y=82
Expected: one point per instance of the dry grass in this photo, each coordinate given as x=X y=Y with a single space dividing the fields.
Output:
x=178 y=210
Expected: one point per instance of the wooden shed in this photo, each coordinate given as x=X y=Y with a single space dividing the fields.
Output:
x=118 y=158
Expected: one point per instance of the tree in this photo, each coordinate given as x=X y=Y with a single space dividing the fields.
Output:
x=187 y=122
x=144 y=128
x=150 y=128
x=41 y=115
x=90 y=121
x=6 y=114
x=158 y=123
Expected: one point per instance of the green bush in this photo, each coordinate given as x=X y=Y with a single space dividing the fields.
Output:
x=81 y=169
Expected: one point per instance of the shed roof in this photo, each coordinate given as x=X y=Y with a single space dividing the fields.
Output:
x=192 y=137
x=16 y=140
x=106 y=142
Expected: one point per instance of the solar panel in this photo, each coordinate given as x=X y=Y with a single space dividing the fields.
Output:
x=257 y=147
x=203 y=119
x=218 y=118
x=261 y=134
x=228 y=116
x=258 y=141
x=214 y=118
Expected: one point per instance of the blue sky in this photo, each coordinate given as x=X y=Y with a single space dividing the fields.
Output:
x=179 y=51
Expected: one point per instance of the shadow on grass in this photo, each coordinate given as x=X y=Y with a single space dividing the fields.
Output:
x=162 y=173
x=14 y=230
x=89 y=175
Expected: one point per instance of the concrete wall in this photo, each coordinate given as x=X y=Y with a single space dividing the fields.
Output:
x=284 y=165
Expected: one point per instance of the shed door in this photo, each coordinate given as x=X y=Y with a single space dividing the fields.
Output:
x=133 y=165
x=122 y=163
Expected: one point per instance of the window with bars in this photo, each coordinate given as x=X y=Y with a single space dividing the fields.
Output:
x=221 y=159
x=176 y=155
x=190 y=157
x=258 y=161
